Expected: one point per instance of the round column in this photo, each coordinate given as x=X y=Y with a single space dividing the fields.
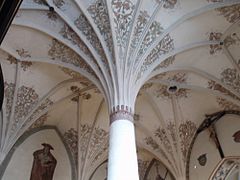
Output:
x=122 y=160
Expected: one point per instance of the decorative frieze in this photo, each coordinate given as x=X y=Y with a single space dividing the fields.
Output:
x=52 y=15
x=121 y=113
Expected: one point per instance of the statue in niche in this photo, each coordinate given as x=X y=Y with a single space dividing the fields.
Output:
x=44 y=163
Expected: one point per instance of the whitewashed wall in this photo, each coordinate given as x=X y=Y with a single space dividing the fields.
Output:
x=21 y=162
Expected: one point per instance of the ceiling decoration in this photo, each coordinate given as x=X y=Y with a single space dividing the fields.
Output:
x=159 y=58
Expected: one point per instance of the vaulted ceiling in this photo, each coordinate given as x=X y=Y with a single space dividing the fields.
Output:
x=179 y=59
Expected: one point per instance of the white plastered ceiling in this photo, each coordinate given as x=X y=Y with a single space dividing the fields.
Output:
x=86 y=49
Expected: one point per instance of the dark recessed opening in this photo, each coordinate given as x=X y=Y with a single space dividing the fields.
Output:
x=51 y=9
x=234 y=34
x=172 y=89
x=221 y=43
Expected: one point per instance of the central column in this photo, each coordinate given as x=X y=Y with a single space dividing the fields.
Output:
x=122 y=160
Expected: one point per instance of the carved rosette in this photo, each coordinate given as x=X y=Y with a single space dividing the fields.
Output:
x=121 y=113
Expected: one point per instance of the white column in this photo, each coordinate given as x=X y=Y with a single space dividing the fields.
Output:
x=122 y=161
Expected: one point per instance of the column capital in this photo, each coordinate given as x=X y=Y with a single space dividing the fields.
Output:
x=121 y=113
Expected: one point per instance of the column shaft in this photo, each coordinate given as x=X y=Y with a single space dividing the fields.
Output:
x=122 y=161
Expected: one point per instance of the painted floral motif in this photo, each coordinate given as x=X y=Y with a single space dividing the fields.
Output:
x=45 y=105
x=231 y=13
x=98 y=144
x=85 y=132
x=150 y=141
x=123 y=11
x=9 y=89
x=23 y=53
x=52 y=15
x=166 y=45
x=166 y=63
x=218 y=87
x=24 y=64
x=69 y=34
x=39 y=122
x=142 y=20
x=27 y=98
x=60 y=52
x=214 y=48
x=162 y=135
x=231 y=39
x=83 y=25
x=75 y=75
x=231 y=78
x=186 y=133
x=171 y=127
x=227 y=105
x=154 y=145
x=59 y=3
x=71 y=139
x=168 y=4
x=99 y=13
x=154 y=31
x=163 y=90
x=142 y=168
